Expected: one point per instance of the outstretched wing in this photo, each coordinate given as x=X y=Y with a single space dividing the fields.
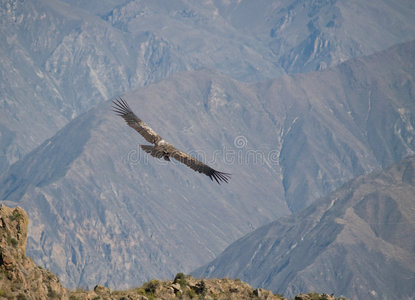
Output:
x=200 y=167
x=121 y=108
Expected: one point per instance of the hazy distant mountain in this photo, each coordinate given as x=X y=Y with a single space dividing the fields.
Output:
x=312 y=35
x=98 y=203
x=358 y=242
x=337 y=124
x=60 y=58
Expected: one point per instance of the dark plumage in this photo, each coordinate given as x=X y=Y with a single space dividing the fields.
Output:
x=161 y=148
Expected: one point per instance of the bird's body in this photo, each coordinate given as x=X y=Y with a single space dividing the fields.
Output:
x=161 y=148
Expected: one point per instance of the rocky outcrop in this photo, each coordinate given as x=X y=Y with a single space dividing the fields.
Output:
x=20 y=278
x=186 y=288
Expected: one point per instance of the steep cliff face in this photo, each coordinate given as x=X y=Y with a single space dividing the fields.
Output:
x=20 y=278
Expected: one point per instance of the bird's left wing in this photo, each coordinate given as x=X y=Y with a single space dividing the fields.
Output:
x=200 y=167
x=121 y=108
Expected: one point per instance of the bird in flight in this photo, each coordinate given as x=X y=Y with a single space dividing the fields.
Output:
x=161 y=148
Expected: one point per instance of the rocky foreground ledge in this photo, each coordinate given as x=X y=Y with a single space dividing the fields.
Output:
x=21 y=279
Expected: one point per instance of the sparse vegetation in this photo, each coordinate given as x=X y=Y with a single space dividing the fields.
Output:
x=151 y=286
x=53 y=294
x=16 y=215
x=180 y=278
x=200 y=288
x=14 y=242
x=21 y=297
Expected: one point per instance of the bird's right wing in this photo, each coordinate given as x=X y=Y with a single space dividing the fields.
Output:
x=199 y=166
x=121 y=108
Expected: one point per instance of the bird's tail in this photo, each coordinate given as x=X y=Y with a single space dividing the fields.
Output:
x=150 y=149
x=147 y=148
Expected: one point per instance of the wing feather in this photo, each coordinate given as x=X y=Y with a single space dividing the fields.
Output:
x=199 y=166
x=121 y=108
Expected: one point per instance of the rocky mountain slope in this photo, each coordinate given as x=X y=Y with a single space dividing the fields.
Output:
x=359 y=242
x=98 y=202
x=20 y=278
x=60 y=58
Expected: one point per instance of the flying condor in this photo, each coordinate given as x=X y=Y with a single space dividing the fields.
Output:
x=161 y=148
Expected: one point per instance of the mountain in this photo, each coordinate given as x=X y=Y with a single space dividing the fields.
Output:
x=98 y=203
x=61 y=58
x=20 y=278
x=313 y=35
x=77 y=61
x=357 y=242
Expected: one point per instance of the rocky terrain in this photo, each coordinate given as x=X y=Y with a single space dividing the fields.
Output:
x=187 y=288
x=21 y=279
